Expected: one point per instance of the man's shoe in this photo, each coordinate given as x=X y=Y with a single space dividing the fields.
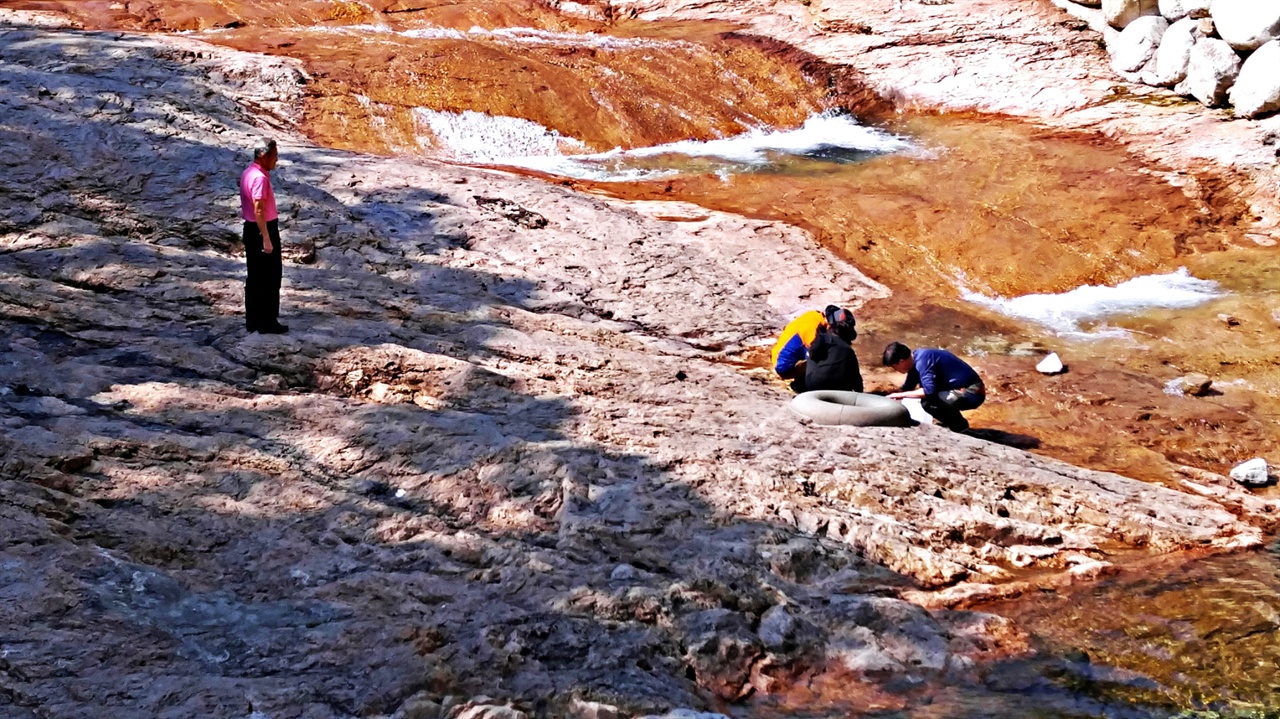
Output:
x=276 y=329
x=250 y=328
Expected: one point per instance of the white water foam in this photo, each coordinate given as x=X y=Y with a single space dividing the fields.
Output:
x=516 y=35
x=1065 y=312
x=476 y=137
x=510 y=141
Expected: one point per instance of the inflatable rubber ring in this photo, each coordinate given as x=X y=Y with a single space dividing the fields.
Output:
x=851 y=408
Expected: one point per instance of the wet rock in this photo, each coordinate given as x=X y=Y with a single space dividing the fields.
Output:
x=1136 y=45
x=1174 y=54
x=1246 y=24
x=1211 y=71
x=1229 y=320
x=1175 y=10
x=1051 y=364
x=1257 y=90
x=1195 y=384
x=1253 y=473
x=1086 y=569
x=1120 y=13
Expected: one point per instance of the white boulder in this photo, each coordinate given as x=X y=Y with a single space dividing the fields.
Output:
x=1246 y=24
x=1052 y=364
x=1257 y=89
x=1119 y=13
x=1174 y=54
x=1134 y=47
x=1253 y=473
x=1175 y=10
x=1211 y=71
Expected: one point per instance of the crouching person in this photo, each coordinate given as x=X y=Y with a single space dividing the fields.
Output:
x=945 y=384
x=832 y=364
x=831 y=331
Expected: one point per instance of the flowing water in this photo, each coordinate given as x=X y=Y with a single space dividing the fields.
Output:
x=1000 y=239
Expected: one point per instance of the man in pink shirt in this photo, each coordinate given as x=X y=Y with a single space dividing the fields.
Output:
x=261 y=243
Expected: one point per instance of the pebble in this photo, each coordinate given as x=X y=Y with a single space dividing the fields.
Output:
x=1254 y=473
x=1051 y=364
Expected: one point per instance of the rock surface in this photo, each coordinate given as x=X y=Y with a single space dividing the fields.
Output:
x=1051 y=364
x=1175 y=10
x=425 y=492
x=1174 y=53
x=1136 y=45
x=1211 y=71
x=1246 y=24
x=1196 y=384
x=1254 y=473
x=1257 y=88
x=1120 y=13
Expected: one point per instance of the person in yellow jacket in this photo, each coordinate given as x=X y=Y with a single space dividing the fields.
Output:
x=792 y=348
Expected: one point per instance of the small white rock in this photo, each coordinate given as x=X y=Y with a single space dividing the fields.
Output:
x=623 y=573
x=1253 y=473
x=1052 y=364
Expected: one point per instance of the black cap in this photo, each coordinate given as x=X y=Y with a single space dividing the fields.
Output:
x=841 y=321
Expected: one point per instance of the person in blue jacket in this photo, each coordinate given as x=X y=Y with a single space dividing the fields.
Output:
x=945 y=384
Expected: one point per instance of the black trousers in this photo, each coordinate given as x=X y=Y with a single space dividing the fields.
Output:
x=946 y=406
x=262 y=280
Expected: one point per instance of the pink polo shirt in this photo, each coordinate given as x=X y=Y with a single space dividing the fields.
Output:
x=255 y=184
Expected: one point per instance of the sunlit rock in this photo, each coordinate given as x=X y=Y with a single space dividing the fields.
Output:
x=1136 y=44
x=1257 y=89
x=1119 y=13
x=1211 y=71
x=483 y=709
x=580 y=709
x=1175 y=10
x=1051 y=364
x=1174 y=54
x=1086 y=569
x=1254 y=473
x=1195 y=384
x=1246 y=24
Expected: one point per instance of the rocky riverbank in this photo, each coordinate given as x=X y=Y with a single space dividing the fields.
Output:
x=506 y=461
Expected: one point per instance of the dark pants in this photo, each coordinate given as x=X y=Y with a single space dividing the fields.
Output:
x=262 y=281
x=946 y=406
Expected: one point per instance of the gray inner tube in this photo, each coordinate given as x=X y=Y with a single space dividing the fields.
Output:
x=853 y=408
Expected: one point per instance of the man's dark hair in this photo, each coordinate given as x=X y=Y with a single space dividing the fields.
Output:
x=895 y=353
x=841 y=322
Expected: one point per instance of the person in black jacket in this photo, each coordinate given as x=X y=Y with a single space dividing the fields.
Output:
x=832 y=363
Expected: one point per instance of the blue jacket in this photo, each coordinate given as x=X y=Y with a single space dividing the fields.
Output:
x=938 y=371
